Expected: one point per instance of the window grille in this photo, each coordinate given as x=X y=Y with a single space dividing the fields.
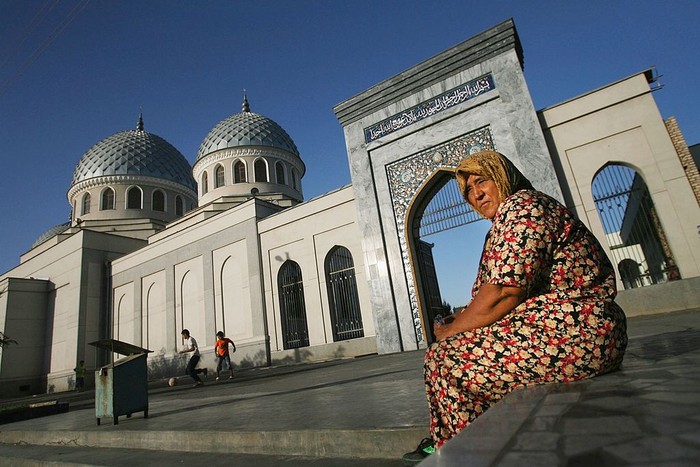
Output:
x=179 y=206
x=446 y=210
x=279 y=168
x=239 y=175
x=260 y=171
x=295 y=332
x=86 y=204
x=219 y=176
x=205 y=183
x=637 y=242
x=107 y=199
x=158 y=201
x=133 y=197
x=346 y=317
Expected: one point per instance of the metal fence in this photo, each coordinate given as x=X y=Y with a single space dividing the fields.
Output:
x=637 y=242
x=446 y=210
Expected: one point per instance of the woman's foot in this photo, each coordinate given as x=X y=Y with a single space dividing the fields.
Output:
x=424 y=449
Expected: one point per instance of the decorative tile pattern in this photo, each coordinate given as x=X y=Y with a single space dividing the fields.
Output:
x=246 y=129
x=135 y=152
x=406 y=178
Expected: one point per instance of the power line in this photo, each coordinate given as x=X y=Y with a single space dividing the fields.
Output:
x=36 y=20
x=44 y=45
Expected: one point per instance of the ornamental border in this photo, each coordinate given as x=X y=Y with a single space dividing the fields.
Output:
x=408 y=176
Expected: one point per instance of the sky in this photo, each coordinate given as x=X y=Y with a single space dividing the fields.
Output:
x=74 y=72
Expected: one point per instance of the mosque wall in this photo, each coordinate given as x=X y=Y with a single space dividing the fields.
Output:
x=204 y=276
x=23 y=317
x=621 y=124
x=74 y=311
x=306 y=234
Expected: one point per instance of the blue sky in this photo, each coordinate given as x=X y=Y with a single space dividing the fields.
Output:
x=86 y=70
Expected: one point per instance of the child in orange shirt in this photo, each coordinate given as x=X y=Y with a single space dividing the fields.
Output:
x=221 y=353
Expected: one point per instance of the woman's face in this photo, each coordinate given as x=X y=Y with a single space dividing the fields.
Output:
x=483 y=195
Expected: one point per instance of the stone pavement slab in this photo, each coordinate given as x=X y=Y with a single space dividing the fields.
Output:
x=371 y=410
x=370 y=407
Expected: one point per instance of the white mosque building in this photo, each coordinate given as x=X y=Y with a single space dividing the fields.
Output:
x=155 y=245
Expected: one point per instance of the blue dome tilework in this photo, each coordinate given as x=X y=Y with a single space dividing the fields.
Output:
x=52 y=232
x=246 y=129
x=135 y=152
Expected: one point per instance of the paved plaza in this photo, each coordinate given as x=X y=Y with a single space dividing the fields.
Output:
x=368 y=411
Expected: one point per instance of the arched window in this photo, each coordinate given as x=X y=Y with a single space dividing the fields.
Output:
x=86 y=204
x=295 y=332
x=344 y=302
x=295 y=179
x=179 y=206
x=239 y=175
x=205 y=183
x=219 y=176
x=632 y=227
x=133 y=198
x=279 y=171
x=107 y=199
x=158 y=201
x=260 y=171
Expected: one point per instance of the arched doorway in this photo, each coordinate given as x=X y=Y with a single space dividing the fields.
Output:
x=416 y=182
x=343 y=299
x=632 y=227
x=436 y=232
x=295 y=331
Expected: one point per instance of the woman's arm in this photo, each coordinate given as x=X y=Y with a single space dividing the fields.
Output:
x=491 y=303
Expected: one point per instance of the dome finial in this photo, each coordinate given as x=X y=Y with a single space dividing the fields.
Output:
x=246 y=106
x=139 y=125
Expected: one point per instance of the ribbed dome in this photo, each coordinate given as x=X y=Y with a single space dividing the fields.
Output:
x=246 y=129
x=135 y=152
x=52 y=232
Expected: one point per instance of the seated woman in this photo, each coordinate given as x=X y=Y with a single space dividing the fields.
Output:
x=542 y=308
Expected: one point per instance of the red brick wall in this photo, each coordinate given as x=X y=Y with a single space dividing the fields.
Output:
x=691 y=170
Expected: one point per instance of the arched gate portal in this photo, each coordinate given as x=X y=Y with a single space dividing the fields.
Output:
x=426 y=200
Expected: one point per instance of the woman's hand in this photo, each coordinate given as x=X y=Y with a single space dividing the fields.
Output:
x=490 y=304
x=442 y=331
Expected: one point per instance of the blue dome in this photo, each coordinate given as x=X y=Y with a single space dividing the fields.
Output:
x=246 y=129
x=52 y=232
x=135 y=152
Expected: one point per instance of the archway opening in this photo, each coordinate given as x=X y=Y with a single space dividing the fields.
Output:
x=633 y=230
x=445 y=238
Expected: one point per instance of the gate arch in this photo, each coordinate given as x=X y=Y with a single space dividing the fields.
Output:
x=413 y=183
x=632 y=227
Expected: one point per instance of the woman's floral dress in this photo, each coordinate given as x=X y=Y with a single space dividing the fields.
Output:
x=567 y=328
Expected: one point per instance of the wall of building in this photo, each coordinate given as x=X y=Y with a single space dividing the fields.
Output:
x=205 y=277
x=74 y=313
x=23 y=317
x=306 y=234
x=621 y=123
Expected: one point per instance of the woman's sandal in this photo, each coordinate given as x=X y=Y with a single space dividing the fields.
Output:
x=424 y=449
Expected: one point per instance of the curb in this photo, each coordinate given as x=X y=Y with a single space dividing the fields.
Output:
x=388 y=443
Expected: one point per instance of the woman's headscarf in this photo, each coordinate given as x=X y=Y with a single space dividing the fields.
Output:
x=494 y=166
